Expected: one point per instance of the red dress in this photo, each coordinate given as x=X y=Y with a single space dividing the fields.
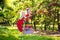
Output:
x=20 y=23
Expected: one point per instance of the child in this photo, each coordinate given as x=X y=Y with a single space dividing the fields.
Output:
x=23 y=15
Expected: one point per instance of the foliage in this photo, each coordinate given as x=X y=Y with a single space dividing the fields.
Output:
x=43 y=11
x=10 y=11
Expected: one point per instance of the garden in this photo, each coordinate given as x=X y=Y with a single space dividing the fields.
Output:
x=29 y=19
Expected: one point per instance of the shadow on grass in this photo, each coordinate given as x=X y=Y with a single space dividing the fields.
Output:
x=3 y=31
x=9 y=37
x=36 y=38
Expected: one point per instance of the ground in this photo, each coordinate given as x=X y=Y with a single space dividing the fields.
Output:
x=12 y=33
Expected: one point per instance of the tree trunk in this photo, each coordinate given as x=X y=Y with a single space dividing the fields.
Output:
x=58 y=20
x=53 y=22
x=34 y=26
x=58 y=24
x=59 y=27
x=45 y=26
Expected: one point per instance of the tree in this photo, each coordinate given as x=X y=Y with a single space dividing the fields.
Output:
x=10 y=11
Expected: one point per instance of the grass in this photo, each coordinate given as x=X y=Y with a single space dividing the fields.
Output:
x=13 y=34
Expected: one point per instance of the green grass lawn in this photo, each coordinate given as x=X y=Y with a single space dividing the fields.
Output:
x=13 y=34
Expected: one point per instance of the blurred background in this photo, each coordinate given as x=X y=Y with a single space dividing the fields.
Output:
x=45 y=17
